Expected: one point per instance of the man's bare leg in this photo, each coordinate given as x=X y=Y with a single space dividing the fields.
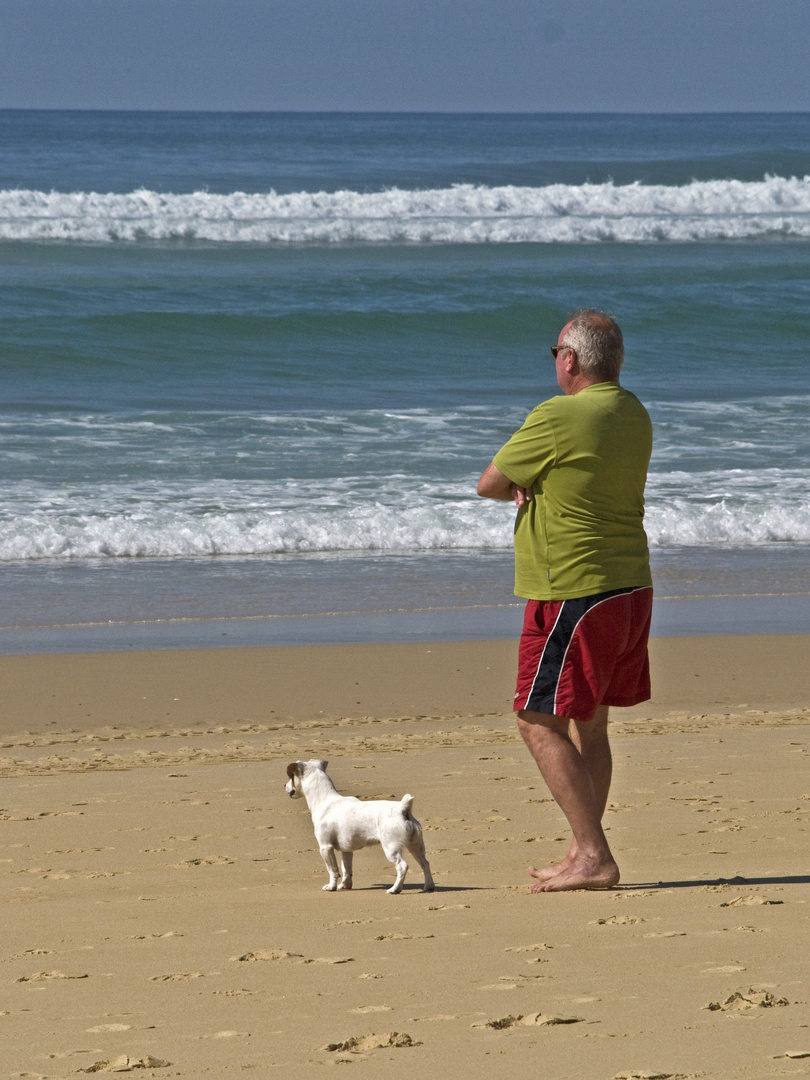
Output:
x=590 y=737
x=566 y=770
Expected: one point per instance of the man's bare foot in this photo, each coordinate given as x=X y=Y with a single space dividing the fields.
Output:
x=548 y=872
x=581 y=874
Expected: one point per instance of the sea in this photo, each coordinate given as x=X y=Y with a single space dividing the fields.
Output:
x=254 y=363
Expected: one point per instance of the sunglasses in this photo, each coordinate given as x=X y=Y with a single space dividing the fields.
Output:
x=559 y=348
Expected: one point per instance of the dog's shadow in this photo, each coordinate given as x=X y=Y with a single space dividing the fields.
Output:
x=419 y=891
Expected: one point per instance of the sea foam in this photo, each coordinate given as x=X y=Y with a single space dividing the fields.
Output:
x=370 y=526
x=723 y=474
x=461 y=214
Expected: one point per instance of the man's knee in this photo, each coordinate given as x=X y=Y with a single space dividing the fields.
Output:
x=593 y=730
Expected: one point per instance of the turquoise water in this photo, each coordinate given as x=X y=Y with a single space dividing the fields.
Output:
x=253 y=365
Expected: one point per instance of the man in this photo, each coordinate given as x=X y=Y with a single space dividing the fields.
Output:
x=576 y=471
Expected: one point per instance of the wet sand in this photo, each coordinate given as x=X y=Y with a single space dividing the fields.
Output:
x=164 y=903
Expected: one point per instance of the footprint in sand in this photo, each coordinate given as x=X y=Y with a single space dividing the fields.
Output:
x=646 y=1076
x=100 y=1028
x=362 y=1009
x=330 y=960
x=125 y=1063
x=401 y=937
x=359 y=1044
x=149 y=937
x=44 y=976
x=539 y=947
x=617 y=920
x=207 y=860
x=750 y=901
x=743 y=1001
x=62 y=1054
x=529 y=1020
x=227 y=1035
x=177 y=976
x=266 y=954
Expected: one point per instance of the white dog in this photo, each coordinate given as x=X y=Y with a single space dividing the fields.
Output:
x=345 y=824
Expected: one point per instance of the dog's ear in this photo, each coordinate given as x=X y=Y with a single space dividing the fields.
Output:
x=320 y=764
x=295 y=769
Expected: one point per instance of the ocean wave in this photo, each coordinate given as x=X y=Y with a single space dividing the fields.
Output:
x=468 y=524
x=201 y=484
x=165 y=534
x=461 y=214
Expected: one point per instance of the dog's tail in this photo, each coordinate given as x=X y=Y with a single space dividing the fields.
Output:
x=406 y=804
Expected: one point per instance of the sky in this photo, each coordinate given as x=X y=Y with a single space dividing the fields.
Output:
x=409 y=55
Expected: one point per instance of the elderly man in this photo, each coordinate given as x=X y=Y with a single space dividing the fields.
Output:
x=576 y=471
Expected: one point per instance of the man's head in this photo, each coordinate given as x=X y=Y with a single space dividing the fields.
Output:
x=593 y=350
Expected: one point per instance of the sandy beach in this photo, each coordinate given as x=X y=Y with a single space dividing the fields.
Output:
x=163 y=895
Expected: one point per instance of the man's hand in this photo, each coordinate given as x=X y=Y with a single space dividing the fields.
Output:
x=495 y=485
x=521 y=495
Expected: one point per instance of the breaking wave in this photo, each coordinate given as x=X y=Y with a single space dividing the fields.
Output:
x=165 y=531
x=461 y=214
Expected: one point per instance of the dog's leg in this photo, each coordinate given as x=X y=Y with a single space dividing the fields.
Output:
x=417 y=849
x=401 y=867
x=346 y=865
x=328 y=856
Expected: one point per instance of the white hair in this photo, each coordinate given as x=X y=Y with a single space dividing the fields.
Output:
x=597 y=340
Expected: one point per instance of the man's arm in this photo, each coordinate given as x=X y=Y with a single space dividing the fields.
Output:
x=495 y=485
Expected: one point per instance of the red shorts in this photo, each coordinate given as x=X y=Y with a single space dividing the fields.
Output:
x=578 y=654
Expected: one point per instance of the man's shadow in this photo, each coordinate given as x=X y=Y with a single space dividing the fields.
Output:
x=795 y=879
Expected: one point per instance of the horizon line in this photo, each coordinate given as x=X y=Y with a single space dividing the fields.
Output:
x=408 y=112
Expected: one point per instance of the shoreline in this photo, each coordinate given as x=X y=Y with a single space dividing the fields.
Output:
x=99 y=605
x=673 y=616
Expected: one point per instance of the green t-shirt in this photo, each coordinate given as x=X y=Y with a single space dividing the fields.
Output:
x=585 y=457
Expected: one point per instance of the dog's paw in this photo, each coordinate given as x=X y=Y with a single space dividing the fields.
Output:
x=428 y=888
x=394 y=890
x=345 y=885
x=331 y=887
